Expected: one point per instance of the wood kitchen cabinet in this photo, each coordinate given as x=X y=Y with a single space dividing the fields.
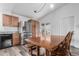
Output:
x=34 y=27
x=16 y=39
x=7 y=20
x=15 y=21
x=10 y=21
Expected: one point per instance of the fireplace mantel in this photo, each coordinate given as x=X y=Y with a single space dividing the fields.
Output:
x=3 y=40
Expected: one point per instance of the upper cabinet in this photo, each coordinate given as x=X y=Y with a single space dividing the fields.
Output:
x=7 y=20
x=10 y=21
x=15 y=21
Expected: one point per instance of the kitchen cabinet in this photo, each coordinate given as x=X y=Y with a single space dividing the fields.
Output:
x=16 y=39
x=34 y=27
x=28 y=29
x=10 y=21
x=7 y=20
x=15 y=21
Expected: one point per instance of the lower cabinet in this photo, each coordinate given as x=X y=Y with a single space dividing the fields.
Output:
x=16 y=39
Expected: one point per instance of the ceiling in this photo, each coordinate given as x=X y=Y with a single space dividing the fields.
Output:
x=27 y=9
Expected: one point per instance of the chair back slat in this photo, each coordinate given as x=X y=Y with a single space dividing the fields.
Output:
x=64 y=46
x=68 y=40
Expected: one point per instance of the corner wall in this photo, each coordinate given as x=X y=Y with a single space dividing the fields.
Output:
x=56 y=18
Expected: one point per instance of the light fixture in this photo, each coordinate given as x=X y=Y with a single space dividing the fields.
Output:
x=40 y=8
x=51 y=5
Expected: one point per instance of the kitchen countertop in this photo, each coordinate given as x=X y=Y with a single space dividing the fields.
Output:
x=8 y=32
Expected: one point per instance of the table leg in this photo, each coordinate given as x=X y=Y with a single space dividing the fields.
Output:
x=47 y=52
x=50 y=53
x=38 y=50
x=0 y=43
x=30 y=50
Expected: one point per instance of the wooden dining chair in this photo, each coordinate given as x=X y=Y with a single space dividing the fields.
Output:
x=36 y=50
x=63 y=48
x=33 y=49
x=30 y=48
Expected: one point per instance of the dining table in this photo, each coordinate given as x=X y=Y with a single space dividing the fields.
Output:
x=48 y=42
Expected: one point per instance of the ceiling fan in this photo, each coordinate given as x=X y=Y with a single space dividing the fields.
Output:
x=40 y=9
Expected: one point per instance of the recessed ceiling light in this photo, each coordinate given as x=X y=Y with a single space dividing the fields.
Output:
x=51 y=5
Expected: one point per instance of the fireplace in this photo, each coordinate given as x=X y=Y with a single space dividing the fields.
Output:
x=5 y=40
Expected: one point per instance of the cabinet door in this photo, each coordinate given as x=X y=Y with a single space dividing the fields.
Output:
x=15 y=21
x=7 y=20
x=16 y=39
x=33 y=28
x=37 y=28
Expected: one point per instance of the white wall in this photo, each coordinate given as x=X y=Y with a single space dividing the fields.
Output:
x=56 y=18
x=10 y=29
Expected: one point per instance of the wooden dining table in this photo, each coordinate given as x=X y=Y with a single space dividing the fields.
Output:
x=48 y=42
